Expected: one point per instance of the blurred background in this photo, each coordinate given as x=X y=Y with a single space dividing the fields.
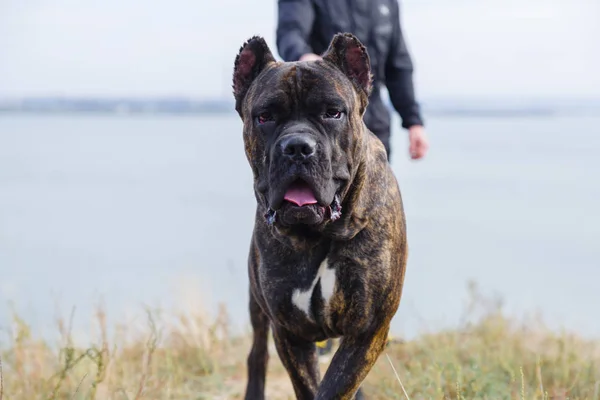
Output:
x=123 y=179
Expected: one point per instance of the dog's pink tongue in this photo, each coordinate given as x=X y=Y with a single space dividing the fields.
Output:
x=300 y=194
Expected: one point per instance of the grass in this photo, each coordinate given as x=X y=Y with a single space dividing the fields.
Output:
x=195 y=357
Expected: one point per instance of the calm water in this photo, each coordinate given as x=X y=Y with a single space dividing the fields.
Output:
x=133 y=211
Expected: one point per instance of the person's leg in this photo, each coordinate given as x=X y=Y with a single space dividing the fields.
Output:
x=384 y=136
x=383 y=133
x=324 y=347
x=377 y=120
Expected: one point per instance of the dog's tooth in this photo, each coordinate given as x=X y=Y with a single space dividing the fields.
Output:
x=335 y=209
x=270 y=216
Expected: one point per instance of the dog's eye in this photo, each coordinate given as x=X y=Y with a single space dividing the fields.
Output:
x=264 y=117
x=332 y=113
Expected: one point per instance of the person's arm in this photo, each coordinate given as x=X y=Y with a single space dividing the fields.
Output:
x=294 y=24
x=398 y=76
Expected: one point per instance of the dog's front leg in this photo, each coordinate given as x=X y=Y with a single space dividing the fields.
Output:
x=299 y=358
x=350 y=365
x=259 y=355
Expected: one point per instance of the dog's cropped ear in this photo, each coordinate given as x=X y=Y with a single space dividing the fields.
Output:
x=253 y=57
x=348 y=54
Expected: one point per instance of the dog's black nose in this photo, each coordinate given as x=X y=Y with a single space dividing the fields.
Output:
x=299 y=148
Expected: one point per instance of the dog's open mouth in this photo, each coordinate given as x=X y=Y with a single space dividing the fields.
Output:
x=300 y=194
x=301 y=206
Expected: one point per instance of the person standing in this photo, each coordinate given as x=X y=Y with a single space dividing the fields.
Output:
x=305 y=29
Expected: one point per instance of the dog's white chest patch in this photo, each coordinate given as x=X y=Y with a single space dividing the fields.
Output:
x=301 y=298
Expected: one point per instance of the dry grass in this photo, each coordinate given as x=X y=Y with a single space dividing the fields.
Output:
x=188 y=357
x=492 y=358
x=184 y=359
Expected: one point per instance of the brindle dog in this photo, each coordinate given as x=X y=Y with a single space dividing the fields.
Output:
x=328 y=251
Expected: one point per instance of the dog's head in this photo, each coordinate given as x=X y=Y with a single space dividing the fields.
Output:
x=303 y=127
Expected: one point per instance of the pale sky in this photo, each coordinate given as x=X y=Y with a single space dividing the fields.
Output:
x=186 y=47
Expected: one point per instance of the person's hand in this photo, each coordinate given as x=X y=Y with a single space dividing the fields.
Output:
x=418 y=142
x=310 y=57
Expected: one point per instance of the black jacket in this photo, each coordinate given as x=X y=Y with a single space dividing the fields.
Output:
x=307 y=26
